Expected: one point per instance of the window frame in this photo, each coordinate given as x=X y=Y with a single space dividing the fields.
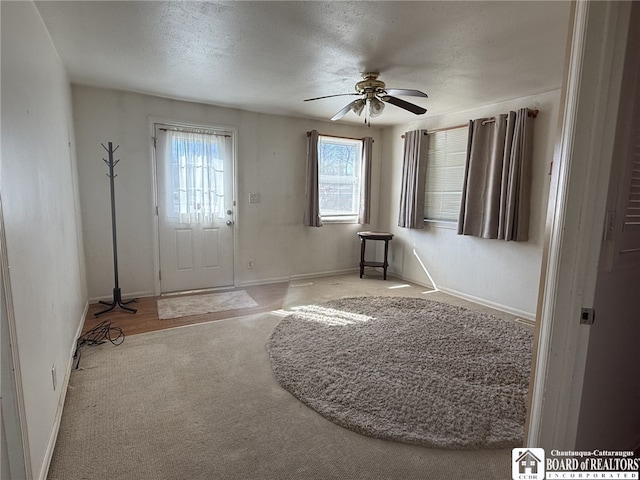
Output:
x=358 y=160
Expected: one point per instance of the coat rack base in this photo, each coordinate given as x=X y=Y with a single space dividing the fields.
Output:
x=117 y=302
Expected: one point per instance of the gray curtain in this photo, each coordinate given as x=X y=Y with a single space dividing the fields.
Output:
x=364 y=216
x=414 y=168
x=312 y=200
x=497 y=183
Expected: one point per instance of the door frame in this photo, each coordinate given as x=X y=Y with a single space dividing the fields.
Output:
x=575 y=220
x=153 y=120
x=18 y=448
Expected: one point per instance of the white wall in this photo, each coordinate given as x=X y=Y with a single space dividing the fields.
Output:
x=271 y=153
x=39 y=194
x=494 y=272
x=271 y=162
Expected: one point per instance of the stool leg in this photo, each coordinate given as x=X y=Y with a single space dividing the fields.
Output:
x=385 y=265
x=362 y=249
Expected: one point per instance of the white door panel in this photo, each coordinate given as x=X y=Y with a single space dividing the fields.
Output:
x=211 y=247
x=196 y=246
x=184 y=249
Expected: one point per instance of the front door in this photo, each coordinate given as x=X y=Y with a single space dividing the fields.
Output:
x=195 y=207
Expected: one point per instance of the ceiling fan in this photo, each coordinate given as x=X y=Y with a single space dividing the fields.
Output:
x=374 y=94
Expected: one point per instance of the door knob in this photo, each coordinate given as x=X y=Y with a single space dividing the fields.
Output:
x=229 y=223
x=229 y=212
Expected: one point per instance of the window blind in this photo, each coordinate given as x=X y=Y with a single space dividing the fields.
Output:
x=446 y=157
x=631 y=222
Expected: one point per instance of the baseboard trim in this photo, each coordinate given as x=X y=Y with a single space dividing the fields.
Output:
x=46 y=464
x=262 y=281
x=307 y=276
x=528 y=317
x=125 y=296
x=404 y=278
x=531 y=317
x=297 y=277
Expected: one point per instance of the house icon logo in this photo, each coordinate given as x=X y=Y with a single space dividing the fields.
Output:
x=527 y=463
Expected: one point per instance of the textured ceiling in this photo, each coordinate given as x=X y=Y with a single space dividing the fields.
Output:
x=268 y=56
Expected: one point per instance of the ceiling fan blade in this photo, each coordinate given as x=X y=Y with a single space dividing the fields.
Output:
x=344 y=111
x=405 y=91
x=329 y=96
x=398 y=102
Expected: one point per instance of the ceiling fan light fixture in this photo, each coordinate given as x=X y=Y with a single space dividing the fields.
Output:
x=374 y=95
x=375 y=107
x=358 y=106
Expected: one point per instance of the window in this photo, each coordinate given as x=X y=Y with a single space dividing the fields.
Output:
x=194 y=175
x=446 y=158
x=339 y=169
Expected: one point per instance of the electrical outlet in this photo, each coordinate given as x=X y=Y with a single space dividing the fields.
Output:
x=250 y=264
x=254 y=198
x=54 y=377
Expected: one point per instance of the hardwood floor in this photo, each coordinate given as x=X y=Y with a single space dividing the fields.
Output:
x=268 y=297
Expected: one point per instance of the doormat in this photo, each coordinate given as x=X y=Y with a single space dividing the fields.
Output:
x=200 y=304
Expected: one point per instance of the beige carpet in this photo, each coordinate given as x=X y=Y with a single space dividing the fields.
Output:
x=201 y=402
x=185 y=306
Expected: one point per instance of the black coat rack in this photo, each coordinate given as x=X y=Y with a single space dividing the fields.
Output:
x=117 y=297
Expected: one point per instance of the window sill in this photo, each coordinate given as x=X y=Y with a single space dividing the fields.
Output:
x=441 y=224
x=349 y=219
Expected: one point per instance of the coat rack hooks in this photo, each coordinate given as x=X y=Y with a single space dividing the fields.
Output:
x=117 y=295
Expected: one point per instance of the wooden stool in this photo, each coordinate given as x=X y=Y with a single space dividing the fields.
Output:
x=364 y=236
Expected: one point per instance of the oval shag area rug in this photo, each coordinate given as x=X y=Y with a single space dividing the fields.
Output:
x=408 y=369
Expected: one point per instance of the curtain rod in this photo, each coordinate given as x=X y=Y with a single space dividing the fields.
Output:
x=443 y=129
x=531 y=113
x=194 y=130
x=336 y=136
